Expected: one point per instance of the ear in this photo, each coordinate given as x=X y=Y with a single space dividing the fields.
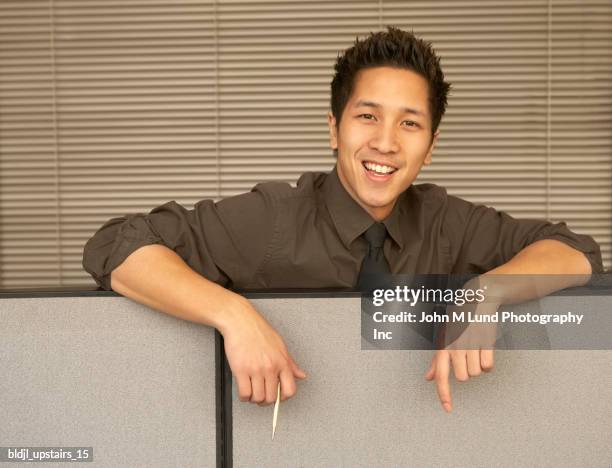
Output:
x=434 y=140
x=333 y=133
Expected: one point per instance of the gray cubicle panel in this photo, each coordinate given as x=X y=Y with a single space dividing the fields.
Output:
x=374 y=408
x=143 y=389
x=102 y=371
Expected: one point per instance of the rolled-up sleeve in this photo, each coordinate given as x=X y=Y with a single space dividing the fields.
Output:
x=225 y=242
x=482 y=238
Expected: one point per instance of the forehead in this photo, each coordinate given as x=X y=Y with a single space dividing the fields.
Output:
x=391 y=88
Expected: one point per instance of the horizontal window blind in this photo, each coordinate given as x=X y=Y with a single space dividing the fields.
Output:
x=275 y=68
x=529 y=124
x=131 y=106
x=30 y=240
x=110 y=107
x=580 y=119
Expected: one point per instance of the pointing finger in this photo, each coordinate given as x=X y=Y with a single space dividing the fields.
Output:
x=442 y=385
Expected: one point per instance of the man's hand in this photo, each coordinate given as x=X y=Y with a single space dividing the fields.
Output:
x=466 y=364
x=558 y=266
x=258 y=357
x=468 y=348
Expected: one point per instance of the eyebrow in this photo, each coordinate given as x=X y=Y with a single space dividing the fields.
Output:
x=406 y=110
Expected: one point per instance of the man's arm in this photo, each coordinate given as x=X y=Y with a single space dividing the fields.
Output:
x=178 y=261
x=482 y=239
x=157 y=277
x=566 y=266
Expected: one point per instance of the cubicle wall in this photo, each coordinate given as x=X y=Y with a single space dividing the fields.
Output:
x=141 y=389
x=374 y=408
x=105 y=372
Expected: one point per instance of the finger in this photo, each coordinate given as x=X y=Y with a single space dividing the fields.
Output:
x=486 y=360
x=297 y=370
x=442 y=385
x=288 y=387
x=430 y=374
x=244 y=387
x=473 y=362
x=271 y=384
x=460 y=365
x=258 y=388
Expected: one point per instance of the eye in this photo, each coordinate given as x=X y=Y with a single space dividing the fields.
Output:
x=366 y=116
x=410 y=123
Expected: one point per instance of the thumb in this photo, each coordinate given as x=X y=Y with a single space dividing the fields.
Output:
x=297 y=370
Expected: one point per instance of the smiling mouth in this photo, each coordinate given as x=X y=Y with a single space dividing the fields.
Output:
x=378 y=169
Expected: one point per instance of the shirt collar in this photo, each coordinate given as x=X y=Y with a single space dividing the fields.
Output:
x=350 y=219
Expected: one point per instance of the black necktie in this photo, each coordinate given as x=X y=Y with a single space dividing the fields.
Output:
x=374 y=265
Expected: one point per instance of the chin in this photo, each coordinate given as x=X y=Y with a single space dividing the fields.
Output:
x=376 y=204
x=379 y=201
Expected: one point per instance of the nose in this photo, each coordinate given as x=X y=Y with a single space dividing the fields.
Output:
x=384 y=139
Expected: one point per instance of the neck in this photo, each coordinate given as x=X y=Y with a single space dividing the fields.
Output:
x=376 y=213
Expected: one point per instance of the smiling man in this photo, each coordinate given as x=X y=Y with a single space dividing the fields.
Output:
x=383 y=138
x=388 y=96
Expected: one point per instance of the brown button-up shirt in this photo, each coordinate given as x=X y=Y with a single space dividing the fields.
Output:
x=278 y=236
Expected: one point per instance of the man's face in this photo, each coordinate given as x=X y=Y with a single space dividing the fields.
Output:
x=384 y=137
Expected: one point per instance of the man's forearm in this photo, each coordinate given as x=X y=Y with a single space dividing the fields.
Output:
x=539 y=269
x=156 y=276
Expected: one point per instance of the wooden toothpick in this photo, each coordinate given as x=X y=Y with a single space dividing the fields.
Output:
x=276 y=405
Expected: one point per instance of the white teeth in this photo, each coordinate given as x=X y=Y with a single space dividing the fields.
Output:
x=378 y=168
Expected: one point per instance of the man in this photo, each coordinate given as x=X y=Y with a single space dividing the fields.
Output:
x=388 y=98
